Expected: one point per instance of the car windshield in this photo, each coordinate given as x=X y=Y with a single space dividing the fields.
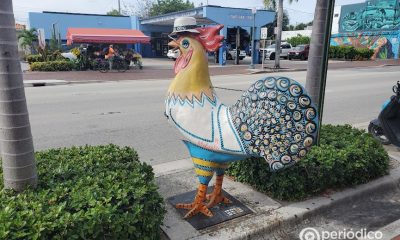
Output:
x=271 y=46
x=300 y=47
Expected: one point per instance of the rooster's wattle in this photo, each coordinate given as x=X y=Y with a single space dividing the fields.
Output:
x=273 y=119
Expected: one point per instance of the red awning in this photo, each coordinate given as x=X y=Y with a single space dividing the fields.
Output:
x=103 y=35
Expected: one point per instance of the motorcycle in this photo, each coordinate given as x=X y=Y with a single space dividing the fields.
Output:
x=386 y=128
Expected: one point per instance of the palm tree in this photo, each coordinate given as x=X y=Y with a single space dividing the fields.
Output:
x=272 y=4
x=19 y=167
x=318 y=56
x=28 y=37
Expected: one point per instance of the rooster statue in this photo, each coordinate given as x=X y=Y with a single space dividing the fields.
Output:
x=273 y=119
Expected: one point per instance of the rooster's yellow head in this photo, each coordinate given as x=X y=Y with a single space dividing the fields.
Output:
x=191 y=67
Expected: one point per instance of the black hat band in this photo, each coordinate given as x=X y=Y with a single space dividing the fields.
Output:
x=183 y=28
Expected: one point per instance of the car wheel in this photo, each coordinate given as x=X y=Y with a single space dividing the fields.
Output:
x=302 y=57
x=272 y=57
x=289 y=58
x=241 y=58
x=229 y=57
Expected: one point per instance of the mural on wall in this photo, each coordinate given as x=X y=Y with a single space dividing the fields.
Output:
x=371 y=15
x=384 y=44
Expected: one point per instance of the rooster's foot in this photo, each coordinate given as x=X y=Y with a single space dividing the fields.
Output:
x=215 y=199
x=195 y=208
x=216 y=196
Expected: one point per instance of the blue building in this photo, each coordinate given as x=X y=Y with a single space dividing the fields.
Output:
x=235 y=20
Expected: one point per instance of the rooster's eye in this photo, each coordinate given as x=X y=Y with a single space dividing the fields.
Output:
x=185 y=43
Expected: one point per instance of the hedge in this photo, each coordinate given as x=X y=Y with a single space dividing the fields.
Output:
x=34 y=58
x=100 y=192
x=350 y=53
x=63 y=65
x=345 y=157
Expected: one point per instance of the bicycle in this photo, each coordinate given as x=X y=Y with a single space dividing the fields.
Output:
x=118 y=64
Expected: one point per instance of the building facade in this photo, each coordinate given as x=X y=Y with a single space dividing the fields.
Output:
x=235 y=20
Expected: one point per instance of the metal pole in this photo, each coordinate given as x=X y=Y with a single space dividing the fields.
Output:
x=237 y=45
x=253 y=42
x=119 y=6
x=263 y=56
x=324 y=64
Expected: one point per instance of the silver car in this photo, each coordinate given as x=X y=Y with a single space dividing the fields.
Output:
x=270 y=51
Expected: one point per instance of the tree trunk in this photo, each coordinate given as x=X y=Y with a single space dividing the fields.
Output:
x=318 y=58
x=317 y=50
x=19 y=167
x=279 y=34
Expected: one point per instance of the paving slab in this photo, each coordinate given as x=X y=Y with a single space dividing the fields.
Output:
x=175 y=227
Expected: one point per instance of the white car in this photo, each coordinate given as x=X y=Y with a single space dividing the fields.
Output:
x=69 y=55
x=270 y=51
x=232 y=54
x=173 y=54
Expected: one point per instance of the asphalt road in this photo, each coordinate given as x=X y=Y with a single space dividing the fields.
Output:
x=131 y=112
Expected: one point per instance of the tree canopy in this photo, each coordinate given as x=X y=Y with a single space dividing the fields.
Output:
x=114 y=12
x=168 y=6
x=28 y=37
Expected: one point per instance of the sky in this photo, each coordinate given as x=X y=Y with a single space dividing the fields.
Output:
x=301 y=11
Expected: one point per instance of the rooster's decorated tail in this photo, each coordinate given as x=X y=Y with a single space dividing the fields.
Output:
x=276 y=120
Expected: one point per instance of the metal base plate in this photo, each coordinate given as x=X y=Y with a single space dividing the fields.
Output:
x=222 y=212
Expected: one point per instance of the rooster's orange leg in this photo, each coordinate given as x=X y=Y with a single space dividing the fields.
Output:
x=197 y=206
x=216 y=196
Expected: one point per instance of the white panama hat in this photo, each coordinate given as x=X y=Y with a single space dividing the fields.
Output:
x=185 y=24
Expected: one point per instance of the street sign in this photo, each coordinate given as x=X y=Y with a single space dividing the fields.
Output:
x=264 y=33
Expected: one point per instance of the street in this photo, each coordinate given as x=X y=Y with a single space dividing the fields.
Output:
x=132 y=112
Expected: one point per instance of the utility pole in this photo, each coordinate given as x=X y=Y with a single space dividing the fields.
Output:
x=278 y=35
x=253 y=35
x=119 y=6
x=316 y=74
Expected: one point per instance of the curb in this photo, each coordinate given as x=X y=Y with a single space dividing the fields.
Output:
x=42 y=83
x=289 y=216
x=271 y=70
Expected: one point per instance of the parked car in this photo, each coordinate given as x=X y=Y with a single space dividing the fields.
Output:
x=270 y=51
x=232 y=54
x=299 y=52
x=173 y=54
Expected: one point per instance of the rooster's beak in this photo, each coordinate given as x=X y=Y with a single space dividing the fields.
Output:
x=174 y=44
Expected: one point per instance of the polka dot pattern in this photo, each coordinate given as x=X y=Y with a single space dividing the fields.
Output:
x=276 y=120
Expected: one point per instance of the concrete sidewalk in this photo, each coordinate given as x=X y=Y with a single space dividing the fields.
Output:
x=269 y=215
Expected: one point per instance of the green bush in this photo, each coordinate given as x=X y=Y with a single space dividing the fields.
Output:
x=298 y=40
x=350 y=53
x=364 y=53
x=63 y=65
x=100 y=192
x=34 y=58
x=345 y=157
x=55 y=56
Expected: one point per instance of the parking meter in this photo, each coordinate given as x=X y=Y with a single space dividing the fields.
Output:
x=222 y=54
